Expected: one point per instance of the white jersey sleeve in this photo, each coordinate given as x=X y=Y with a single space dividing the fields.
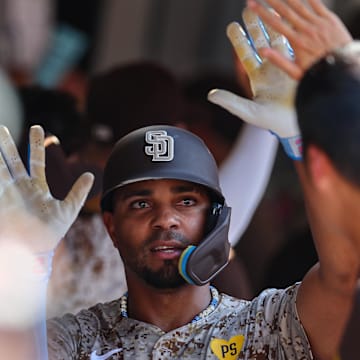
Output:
x=245 y=174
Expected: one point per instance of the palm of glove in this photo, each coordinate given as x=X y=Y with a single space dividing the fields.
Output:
x=272 y=106
x=28 y=212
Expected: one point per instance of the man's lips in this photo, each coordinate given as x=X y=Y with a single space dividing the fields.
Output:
x=167 y=250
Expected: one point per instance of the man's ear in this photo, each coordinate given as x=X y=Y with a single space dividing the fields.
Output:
x=108 y=219
x=319 y=168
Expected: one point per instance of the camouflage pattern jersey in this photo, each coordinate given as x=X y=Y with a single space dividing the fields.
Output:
x=267 y=327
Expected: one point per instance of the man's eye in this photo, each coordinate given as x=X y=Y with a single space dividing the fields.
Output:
x=140 y=204
x=188 y=202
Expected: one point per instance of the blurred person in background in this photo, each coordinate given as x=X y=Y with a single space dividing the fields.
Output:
x=25 y=35
x=11 y=109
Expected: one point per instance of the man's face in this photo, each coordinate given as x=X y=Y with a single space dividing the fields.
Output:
x=153 y=222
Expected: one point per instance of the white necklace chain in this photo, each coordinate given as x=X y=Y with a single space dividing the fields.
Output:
x=213 y=303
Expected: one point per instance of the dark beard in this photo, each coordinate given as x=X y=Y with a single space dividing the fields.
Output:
x=168 y=277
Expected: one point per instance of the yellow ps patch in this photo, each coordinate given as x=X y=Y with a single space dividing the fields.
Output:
x=228 y=350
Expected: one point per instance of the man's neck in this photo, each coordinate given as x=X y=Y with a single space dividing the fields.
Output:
x=167 y=309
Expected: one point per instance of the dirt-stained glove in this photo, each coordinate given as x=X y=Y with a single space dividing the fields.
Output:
x=31 y=218
x=28 y=213
x=272 y=106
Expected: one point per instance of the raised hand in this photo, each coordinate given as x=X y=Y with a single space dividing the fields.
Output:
x=28 y=212
x=311 y=28
x=272 y=106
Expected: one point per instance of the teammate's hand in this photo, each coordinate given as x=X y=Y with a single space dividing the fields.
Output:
x=273 y=104
x=28 y=212
x=312 y=29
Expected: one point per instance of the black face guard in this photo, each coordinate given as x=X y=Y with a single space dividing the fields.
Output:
x=199 y=264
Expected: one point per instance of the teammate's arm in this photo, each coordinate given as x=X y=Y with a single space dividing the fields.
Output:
x=324 y=301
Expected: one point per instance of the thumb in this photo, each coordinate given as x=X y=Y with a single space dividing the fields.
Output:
x=76 y=197
x=245 y=109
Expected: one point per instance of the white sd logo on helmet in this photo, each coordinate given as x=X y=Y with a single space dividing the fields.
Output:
x=161 y=146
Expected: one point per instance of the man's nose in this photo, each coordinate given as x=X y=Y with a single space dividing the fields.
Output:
x=166 y=217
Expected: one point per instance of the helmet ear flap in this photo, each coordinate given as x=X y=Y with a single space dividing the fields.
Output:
x=214 y=212
x=199 y=264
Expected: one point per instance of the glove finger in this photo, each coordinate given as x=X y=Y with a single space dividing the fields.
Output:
x=5 y=176
x=77 y=196
x=10 y=155
x=319 y=8
x=243 y=48
x=37 y=154
x=245 y=109
x=256 y=29
x=288 y=66
x=279 y=42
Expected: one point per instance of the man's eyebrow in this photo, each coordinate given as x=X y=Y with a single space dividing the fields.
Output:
x=187 y=188
x=126 y=194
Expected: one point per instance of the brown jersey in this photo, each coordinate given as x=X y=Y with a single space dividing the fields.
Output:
x=267 y=327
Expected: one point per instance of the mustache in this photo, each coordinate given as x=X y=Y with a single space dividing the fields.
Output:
x=167 y=235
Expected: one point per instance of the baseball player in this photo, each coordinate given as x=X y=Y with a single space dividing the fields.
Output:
x=166 y=214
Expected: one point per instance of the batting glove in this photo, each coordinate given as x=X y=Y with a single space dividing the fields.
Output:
x=272 y=106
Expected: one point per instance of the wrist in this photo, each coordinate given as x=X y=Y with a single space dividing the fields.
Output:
x=23 y=285
x=292 y=146
x=350 y=48
x=42 y=265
